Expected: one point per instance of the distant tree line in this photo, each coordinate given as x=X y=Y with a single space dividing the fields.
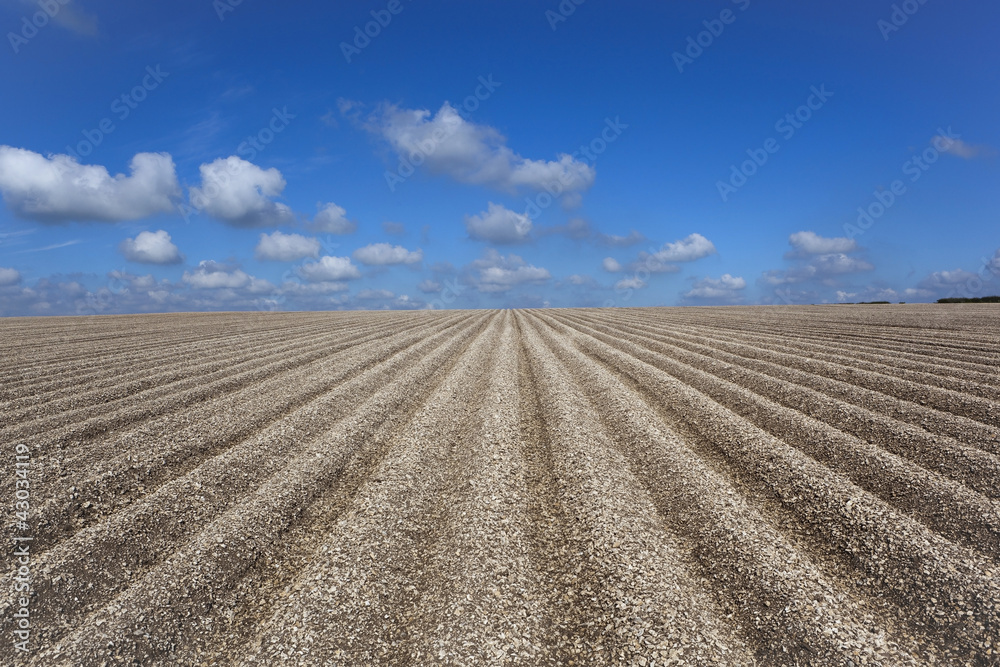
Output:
x=863 y=303
x=981 y=299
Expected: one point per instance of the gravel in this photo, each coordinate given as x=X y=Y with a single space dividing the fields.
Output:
x=700 y=486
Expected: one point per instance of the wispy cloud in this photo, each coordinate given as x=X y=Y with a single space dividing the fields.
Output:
x=54 y=246
x=961 y=149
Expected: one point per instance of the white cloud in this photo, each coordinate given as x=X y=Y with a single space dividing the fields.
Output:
x=280 y=247
x=881 y=294
x=694 y=246
x=726 y=287
x=239 y=193
x=499 y=225
x=212 y=275
x=370 y=294
x=993 y=264
x=332 y=219
x=294 y=289
x=611 y=265
x=942 y=280
x=811 y=243
x=429 y=286
x=472 y=153
x=9 y=276
x=499 y=273
x=618 y=241
x=825 y=257
x=630 y=283
x=918 y=292
x=844 y=296
x=839 y=263
x=73 y=19
x=329 y=269
x=790 y=277
x=151 y=248
x=958 y=148
x=577 y=279
x=384 y=254
x=59 y=189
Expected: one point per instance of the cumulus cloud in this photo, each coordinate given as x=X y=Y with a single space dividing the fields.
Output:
x=213 y=275
x=332 y=219
x=240 y=193
x=329 y=269
x=726 y=287
x=843 y=296
x=688 y=249
x=280 y=247
x=993 y=264
x=494 y=272
x=151 y=248
x=611 y=265
x=633 y=282
x=577 y=279
x=819 y=258
x=811 y=243
x=9 y=277
x=499 y=224
x=473 y=153
x=618 y=241
x=384 y=254
x=944 y=280
x=59 y=189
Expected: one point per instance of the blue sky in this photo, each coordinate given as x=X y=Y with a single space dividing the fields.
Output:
x=200 y=155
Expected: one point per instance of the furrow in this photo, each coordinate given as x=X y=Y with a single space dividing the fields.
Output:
x=880 y=414
x=788 y=610
x=646 y=603
x=128 y=543
x=171 y=611
x=948 y=586
x=825 y=427
x=215 y=427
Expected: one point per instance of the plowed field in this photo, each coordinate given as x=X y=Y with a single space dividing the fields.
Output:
x=701 y=486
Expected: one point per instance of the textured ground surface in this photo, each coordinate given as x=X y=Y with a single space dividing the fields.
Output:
x=728 y=486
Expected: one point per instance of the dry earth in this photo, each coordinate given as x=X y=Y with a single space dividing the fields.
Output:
x=704 y=486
